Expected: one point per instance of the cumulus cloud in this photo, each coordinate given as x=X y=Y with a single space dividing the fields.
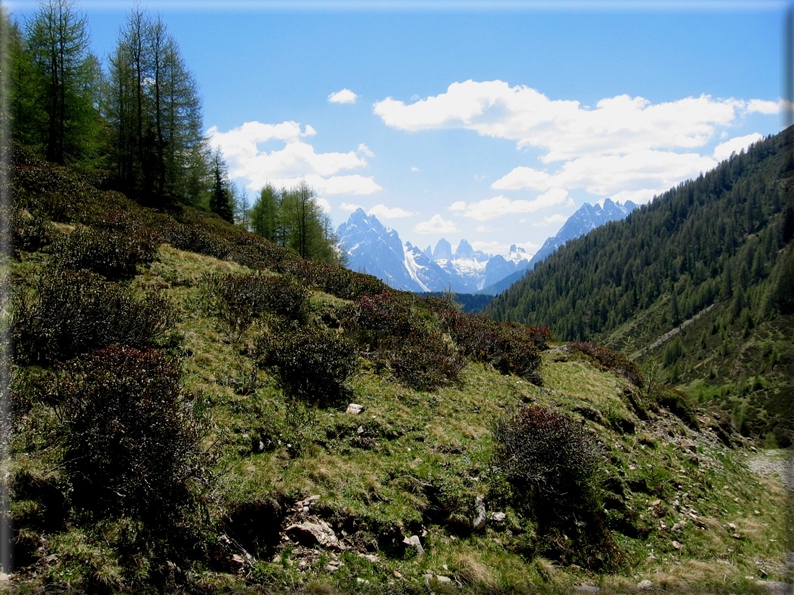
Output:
x=249 y=159
x=436 y=225
x=324 y=204
x=644 y=171
x=491 y=208
x=551 y=220
x=343 y=96
x=350 y=207
x=623 y=146
x=365 y=150
x=564 y=128
x=735 y=145
x=383 y=212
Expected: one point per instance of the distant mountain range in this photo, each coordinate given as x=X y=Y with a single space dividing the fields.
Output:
x=587 y=218
x=378 y=250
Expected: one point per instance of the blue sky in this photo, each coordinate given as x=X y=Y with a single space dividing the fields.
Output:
x=459 y=120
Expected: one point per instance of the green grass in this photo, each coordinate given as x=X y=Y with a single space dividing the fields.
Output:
x=413 y=463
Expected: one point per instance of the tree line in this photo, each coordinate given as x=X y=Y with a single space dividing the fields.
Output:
x=134 y=123
x=722 y=238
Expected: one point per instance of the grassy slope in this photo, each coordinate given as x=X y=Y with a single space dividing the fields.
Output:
x=412 y=464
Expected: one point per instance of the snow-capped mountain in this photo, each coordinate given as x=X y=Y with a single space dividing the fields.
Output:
x=377 y=250
x=585 y=219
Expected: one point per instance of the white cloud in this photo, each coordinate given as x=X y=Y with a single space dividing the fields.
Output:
x=324 y=204
x=491 y=208
x=296 y=160
x=484 y=229
x=365 y=150
x=343 y=96
x=349 y=207
x=760 y=106
x=606 y=175
x=556 y=219
x=735 y=145
x=436 y=225
x=523 y=177
x=564 y=128
x=384 y=212
x=414 y=168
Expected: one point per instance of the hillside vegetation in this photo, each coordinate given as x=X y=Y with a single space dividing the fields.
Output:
x=182 y=420
x=699 y=280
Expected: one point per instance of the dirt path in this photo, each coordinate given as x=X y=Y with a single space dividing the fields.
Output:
x=774 y=462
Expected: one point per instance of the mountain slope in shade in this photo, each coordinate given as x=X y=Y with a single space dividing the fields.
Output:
x=377 y=250
x=584 y=220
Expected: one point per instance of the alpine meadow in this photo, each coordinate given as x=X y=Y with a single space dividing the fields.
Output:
x=200 y=397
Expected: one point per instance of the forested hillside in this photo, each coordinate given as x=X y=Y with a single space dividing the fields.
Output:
x=712 y=255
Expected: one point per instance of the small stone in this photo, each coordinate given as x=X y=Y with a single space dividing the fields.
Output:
x=331 y=568
x=585 y=588
x=481 y=518
x=370 y=557
x=413 y=541
x=731 y=526
x=749 y=578
x=397 y=574
x=443 y=580
x=354 y=409
x=497 y=517
x=677 y=545
x=656 y=503
x=362 y=581
x=756 y=512
x=311 y=534
x=360 y=430
x=645 y=585
x=736 y=536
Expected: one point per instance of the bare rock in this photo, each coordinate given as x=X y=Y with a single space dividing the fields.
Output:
x=645 y=585
x=498 y=517
x=479 y=521
x=413 y=542
x=585 y=588
x=311 y=534
x=354 y=409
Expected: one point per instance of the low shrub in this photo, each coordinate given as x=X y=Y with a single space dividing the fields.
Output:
x=73 y=312
x=545 y=454
x=607 y=359
x=388 y=330
x=509 y=348
x=238 y=299
x=111 y=254
x=29 y=231
x=677 y=403
x=552 y=466
x=312 y=364
x=131 y=445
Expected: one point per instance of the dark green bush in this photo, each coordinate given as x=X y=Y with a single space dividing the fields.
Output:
x=111 y=254
x=29 y=232
x=545 y=453
x=74 y=312
x=311 y=364
x=509 y=348
x=131 y=444
x=552 y=466
x=392 y=333
x=238 y=299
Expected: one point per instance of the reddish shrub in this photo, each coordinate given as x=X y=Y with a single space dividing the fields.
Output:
x=607 y=359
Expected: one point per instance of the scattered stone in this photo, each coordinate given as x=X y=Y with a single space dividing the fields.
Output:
x=736 y=536
x=360 y=430
x=656 y=503
x=731 y=526
x=397 y=574
x=585 y=588
x=354 y=409
x=370 y=557
x=311 y=534
x=688 y=445
x=756 y=512
x=362 y=581
x=413 y=541
x=645 y=585
x=443 y=580
x=677 y=545
x=332 y=566
x=679 y=525
x=497 y=517
x=479 y=521
x=777 y=587
x=749 y=578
